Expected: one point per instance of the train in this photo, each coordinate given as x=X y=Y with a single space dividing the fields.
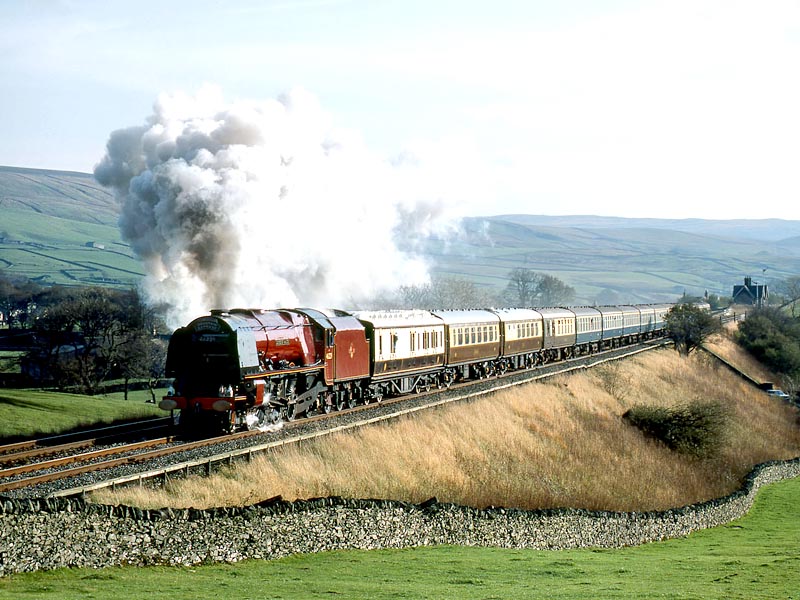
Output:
x=246 y=369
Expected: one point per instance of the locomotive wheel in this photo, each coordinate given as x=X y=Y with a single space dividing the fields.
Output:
x=327 y=403
x=339 y=402
x=290 y=413
x=351 y=400
x=261 y=419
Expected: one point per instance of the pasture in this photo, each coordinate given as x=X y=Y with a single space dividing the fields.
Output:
x=33 y=413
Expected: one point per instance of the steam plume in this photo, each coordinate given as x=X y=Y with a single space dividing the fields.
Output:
x=260 y=204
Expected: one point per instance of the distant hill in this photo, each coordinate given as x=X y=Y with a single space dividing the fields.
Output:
x=61 y=227
x=771 y=230
x=619 y=260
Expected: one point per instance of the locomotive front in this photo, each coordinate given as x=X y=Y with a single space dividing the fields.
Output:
x=224 y=366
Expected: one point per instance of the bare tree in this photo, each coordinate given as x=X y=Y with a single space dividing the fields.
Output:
x=445 y=293
x=93 y=334
x=790 y=287
x=144 y=358
x=522 y=286
x=552 y=291
x=529 y=288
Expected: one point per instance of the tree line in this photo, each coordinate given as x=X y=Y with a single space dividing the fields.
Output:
x=524 y=287
x=772 y=336
x=78 y=338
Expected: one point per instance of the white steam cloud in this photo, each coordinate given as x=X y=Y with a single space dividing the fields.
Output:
x=262 y=204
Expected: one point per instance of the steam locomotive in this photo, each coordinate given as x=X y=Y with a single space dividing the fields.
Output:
x=249 y=368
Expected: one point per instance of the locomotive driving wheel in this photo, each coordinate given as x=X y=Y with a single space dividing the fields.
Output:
x=257 y=418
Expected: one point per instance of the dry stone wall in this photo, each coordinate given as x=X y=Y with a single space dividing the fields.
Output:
x=52 y=533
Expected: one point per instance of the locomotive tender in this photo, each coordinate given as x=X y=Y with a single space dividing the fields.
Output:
x=248 y=368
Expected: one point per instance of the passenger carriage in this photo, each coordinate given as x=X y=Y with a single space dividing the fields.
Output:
x=612 y=325
x=648 y=319
x=407 y=349
x=631 y=323
x=521 y=337
x=559 y=333
x=588 y=329
x=473 y=343
x=660 y=311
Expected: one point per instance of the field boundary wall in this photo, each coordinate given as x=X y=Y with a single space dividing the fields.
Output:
x=43 y=534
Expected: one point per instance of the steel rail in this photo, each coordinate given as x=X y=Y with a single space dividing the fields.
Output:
x=107 y=431
x=36 y=451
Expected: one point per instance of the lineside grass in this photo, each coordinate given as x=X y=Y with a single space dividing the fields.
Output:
x=725 y=346
x=754 y=557
x=32 y=413
x=542 y=445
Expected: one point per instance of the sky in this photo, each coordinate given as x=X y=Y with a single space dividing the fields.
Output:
x=666 y=109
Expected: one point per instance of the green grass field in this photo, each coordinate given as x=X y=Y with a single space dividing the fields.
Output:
x=755 y=557
x=32 y=413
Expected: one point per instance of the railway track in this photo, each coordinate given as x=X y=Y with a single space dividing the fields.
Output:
x=20 y=458
x=85 y=439
x=162 y=458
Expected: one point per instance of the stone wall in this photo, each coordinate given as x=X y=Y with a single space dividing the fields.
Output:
x=51 y=533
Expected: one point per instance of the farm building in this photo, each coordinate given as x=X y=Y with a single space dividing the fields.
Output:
x=751 y=293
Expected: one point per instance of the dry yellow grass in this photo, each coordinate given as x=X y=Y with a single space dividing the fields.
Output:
x=555 y=444
x=725 y=346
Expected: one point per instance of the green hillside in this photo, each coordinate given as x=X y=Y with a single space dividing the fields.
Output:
x=61 y=227
x=615 y=264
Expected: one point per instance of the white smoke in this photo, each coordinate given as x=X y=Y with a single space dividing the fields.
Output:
x=261 y=204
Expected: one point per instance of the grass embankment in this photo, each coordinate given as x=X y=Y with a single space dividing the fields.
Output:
x=34 y=413
x=754 y=557
x=554 y=444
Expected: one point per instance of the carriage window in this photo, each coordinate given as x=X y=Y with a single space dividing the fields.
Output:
x=413 y=340
x=460 y=337
x=393 y=343
x=380 y=345
x=472 y=334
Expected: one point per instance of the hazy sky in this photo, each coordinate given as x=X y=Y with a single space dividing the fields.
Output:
x=632 y=108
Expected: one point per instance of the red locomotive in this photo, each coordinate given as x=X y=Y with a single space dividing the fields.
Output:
x=245 y=368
